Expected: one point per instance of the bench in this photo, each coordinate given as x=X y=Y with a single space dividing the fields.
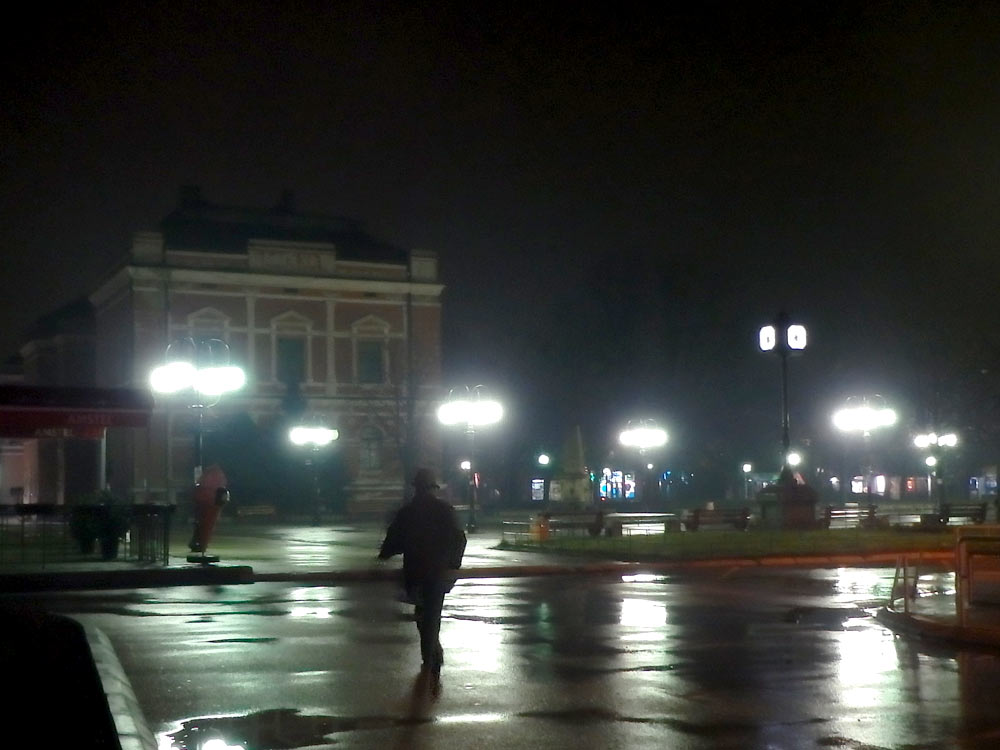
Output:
x=961 y=512
x=251 y=511
x=615 y=523
x=737 y=518
x=590 y=521
x=849 y=516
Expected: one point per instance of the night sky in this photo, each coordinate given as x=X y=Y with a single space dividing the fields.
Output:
x=619 y=197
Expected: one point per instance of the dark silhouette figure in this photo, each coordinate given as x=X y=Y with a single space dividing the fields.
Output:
x=426 y=532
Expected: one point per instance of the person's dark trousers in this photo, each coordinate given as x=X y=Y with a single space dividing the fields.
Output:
x=429 y=601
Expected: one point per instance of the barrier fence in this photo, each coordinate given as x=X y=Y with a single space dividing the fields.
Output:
x=47 y=533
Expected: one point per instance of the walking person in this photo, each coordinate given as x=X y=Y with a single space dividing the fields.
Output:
x=426 y=532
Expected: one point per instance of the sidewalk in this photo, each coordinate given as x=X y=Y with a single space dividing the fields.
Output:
x=343 y=552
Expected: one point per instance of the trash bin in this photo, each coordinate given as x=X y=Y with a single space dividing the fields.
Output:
x=540 y=528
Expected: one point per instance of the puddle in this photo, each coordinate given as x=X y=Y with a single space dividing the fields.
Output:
x=275 y=729
x=831 y=618
x=243 y=640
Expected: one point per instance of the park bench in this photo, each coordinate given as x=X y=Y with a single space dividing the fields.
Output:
x=849 y=516
x=737 y=518
x=614 y=524
x=956 y=514
x=585 y=520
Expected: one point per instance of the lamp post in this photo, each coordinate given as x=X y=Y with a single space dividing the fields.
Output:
x=472 y=410
x=200 y=371
x=644 y=435
x=544 y=460
x=864 y=417
x=784 y=338
x=747 y=468
x=315 y=438
x=934 y=442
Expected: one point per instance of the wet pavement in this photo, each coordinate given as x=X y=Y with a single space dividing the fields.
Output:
x=319 y=652
x=709 y=659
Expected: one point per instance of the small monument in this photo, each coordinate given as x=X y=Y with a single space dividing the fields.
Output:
x=788 y=504
x=571 y=486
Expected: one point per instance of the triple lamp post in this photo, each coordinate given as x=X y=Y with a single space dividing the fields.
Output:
x=315 y=438
x=200 y=371
x=933 y=441
x=645 y=436
x=471 y=410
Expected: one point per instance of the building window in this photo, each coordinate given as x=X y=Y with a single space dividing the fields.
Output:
x=370 y=362
x=371 y=449
x=290 y=360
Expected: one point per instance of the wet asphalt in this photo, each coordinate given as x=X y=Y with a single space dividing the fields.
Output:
x=719 y=657
x=714 y=659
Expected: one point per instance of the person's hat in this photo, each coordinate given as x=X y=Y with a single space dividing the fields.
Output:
x=425 y=478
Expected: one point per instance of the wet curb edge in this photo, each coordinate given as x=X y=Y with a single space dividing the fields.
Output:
x=130 y=723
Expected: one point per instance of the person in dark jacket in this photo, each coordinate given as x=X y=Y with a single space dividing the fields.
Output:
x=426 y=532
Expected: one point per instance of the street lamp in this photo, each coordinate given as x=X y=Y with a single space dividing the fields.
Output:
x=199 y=370
x=747 y=468
x=935 y=442
x=544 y=461
x=864 y=417
x=472 y=410
x=315 y=438
x=645 y=435
x=783 y=338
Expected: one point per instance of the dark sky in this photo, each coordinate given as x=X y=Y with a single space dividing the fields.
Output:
x=619 y=197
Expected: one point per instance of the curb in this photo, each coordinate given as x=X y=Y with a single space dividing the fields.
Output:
x=931 y=628
x=130 y=723
x=123 y=579
x=200 y=575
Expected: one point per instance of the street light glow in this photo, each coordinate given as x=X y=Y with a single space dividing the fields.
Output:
x=472 y=412
x=177 y=376
x=793 y=458
x=543 y=459
x=864 y=418
x=172 y=377
x=313 y=436
x=643 y=438
x=214 y=381
x=767 y=338
x=948 y=440
x=465 y=465
x=796 y=337
x=931 y=461
x=747 y=468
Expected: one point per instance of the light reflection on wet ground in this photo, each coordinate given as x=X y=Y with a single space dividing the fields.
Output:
x=765 y=659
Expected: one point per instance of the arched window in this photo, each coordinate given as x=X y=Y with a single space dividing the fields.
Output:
x=371 y=449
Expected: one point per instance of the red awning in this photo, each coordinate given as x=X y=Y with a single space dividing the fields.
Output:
x=38 y=411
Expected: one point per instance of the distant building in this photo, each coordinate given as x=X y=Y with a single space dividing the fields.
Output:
x=329 y=323
x=59 y=351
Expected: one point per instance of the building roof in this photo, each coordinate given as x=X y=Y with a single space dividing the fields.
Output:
x=76 y=318
x=197 y=224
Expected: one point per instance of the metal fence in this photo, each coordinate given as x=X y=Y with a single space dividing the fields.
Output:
x=34 y=533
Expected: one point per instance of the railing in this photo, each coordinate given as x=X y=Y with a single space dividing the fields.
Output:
x=35 y=533
x=975 y=546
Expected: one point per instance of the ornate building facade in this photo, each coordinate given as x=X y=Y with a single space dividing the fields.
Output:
x=330 y=325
